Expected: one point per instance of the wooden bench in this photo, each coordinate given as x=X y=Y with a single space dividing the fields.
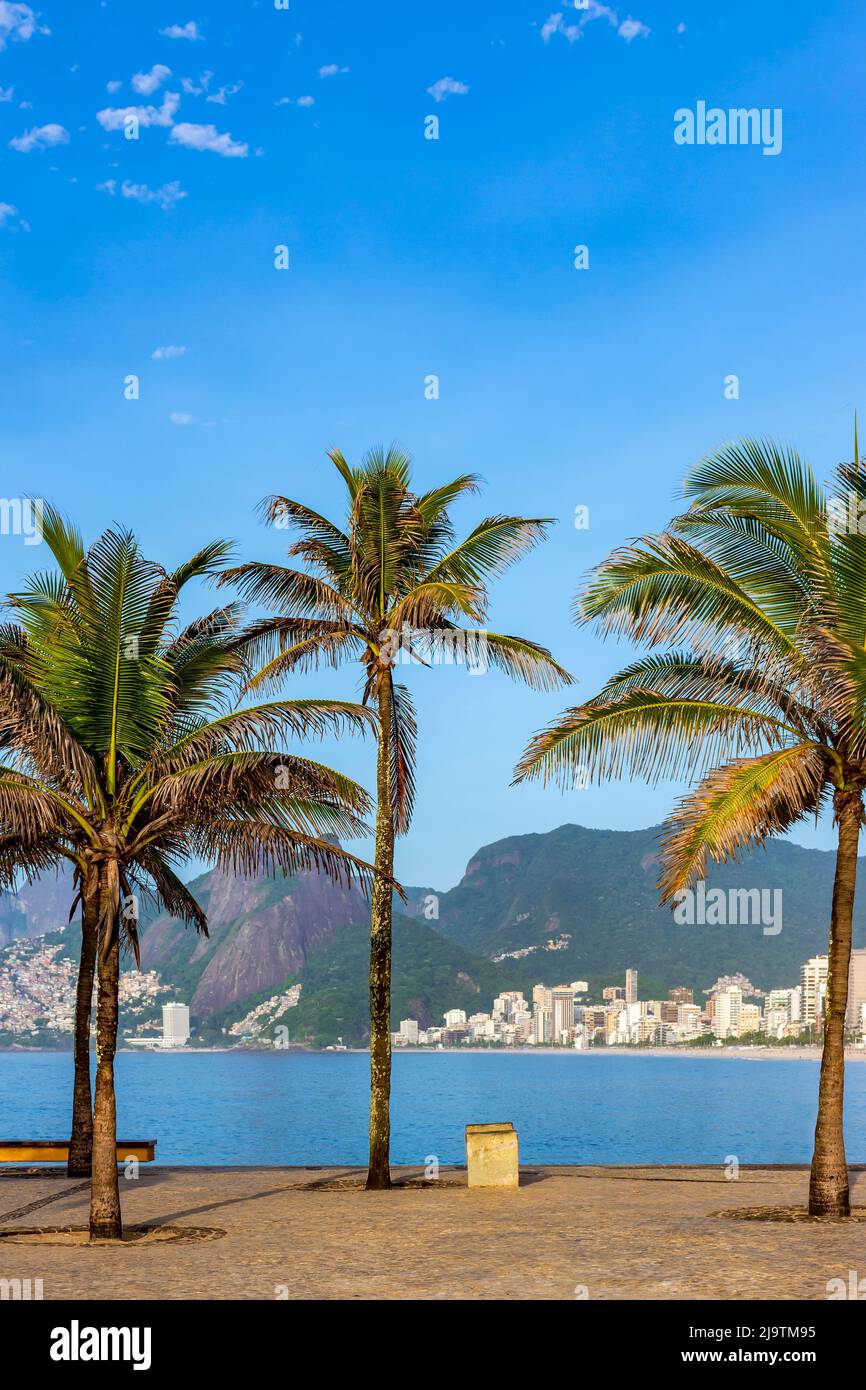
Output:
x=57 y=1150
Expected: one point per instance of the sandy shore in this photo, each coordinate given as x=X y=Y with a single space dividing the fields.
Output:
x=568 y=1233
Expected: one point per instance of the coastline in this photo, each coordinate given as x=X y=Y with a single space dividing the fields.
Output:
x=752 y=1054
x=743 y=1054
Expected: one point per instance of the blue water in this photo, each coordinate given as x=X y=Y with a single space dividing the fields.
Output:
x=222 y=1108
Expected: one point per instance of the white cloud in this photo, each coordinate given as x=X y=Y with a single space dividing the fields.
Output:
x=306 y=101
x=207 y=137
x=11 y=217
x=632 y=29
x=163 y=354
x=190 y=87
x=145 y=83
x=182 y=31
x=114 y=117
x=221 y=96
x=114 y=86
x=301 y=101
x=555 y=24
x=6 y=93
x=40 y=138
x=18 y=22
x=177 y=417
x=331 y=70
x=447 y=87
x=681 y=28
x=595 y=10
x=164 y=197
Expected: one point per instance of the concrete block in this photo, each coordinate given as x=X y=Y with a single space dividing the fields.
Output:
x=491 y=1155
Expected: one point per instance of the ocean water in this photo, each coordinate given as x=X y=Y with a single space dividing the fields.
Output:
x=311 y=1108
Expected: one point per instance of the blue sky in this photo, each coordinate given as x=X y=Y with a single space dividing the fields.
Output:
x=410 y=257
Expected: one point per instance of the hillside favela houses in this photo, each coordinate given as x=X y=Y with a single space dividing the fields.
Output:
x=563 y=1016
x=37 y=988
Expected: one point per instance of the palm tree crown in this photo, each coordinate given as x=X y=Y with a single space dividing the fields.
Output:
x=121 y=726
x=763 y=599
x=393 y=580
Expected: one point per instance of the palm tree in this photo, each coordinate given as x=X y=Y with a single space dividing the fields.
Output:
x=127 y=756
x=760 y=589
x=392 y=580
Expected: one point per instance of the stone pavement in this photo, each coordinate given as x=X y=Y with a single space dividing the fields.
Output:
x=615 y=1233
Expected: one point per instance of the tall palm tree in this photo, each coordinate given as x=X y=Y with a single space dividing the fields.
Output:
x=392 y=579
x=126 y=755
x=760 y=589
x=21 y=646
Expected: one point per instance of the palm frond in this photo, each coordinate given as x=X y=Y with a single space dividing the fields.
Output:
x=739 y=805
x=647 y=735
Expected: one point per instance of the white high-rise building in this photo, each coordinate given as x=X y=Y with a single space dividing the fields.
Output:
x=542 y=1024
x=727 y=1015
x=856 y=988
x=455 y=1018
x=409 y=1030
x=781 y=1008
x=542 y=1015
x=508 y=1003
x=631 y=986
x=814 y=986
x=175 y=1025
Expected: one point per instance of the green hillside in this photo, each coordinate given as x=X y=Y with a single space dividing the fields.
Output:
x=430 y=976
x=598 y=887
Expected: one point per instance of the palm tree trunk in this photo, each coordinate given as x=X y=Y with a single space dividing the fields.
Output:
x=105 y=1218
x=828 y=1185
x=379 y=1172
x=81 y=1137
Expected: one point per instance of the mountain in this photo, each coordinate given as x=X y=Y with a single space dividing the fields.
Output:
x=262 y=932
x=571 y=904
x=39 y=907
x=598 y=888
x=430 y=975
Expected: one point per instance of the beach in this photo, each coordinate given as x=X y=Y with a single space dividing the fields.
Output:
x=568 y=1233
